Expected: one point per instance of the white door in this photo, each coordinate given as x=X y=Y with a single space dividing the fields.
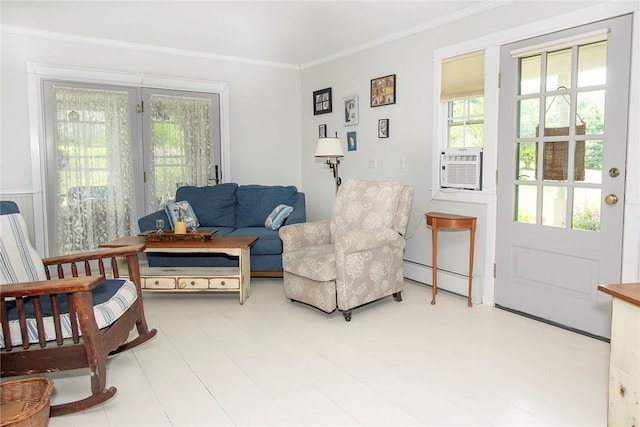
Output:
x=95 y=157
x=181 y=131
x=561 y=162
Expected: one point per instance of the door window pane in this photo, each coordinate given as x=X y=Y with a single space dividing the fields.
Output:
x=590 y=111
x=586 y=209
x=554 y=202
x=528 y=117
x=527 y=159
x=556 y=117
x=530 y=75
x=592 y=161
x=592 y=64
x=556 y=161
x=559 y=69
x=526 y=198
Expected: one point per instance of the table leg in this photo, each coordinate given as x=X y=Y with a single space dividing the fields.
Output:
x=472 y=235
x=434 y=251
x=244 y=265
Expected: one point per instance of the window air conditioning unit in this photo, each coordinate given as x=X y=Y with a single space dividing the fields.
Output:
x=461 y=168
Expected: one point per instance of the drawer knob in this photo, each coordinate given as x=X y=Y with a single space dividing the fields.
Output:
x=157 y=282
x=182 y=285
x=193 y=283
x=223 y=283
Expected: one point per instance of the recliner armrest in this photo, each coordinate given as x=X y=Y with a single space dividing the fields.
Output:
x=362 y=240
x=296 y=236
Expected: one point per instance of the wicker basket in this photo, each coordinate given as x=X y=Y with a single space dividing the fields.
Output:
x=25 y=403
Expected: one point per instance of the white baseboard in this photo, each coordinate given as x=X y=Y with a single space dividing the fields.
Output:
x=447 y=280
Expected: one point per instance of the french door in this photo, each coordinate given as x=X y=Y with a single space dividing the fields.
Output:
x=561 y=158
x=101 y=176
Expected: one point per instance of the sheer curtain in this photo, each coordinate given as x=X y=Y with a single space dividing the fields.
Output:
x=94 y=185
x=181 y=145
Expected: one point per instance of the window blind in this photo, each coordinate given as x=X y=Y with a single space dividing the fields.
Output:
x=462 y=76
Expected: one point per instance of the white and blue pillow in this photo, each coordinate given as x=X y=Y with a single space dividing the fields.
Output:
x=173 y=212
x=277 y=216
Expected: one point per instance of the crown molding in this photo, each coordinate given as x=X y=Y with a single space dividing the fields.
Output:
x=434 y=23
x=30 y=32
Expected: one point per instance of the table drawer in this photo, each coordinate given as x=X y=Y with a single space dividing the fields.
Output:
x=224 y=283
x=159 y=283
x=192 y=283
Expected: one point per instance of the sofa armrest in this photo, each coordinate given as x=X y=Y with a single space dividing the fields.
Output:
x=363 y=240
x=148 y=222
x=299 y=213
x=297 y=236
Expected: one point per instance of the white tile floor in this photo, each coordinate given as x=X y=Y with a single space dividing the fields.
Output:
x=274 y=362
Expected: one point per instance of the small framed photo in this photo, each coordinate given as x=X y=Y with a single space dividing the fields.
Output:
x=383 y=91
x=351 y=110
x=383 y=128
x=322 y=131
x=322 y=101
x=352 y=141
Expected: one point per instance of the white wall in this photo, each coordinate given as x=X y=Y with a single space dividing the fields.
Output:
x=411 y=133
x=264 y=104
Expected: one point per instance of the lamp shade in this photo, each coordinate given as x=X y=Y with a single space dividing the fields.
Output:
x=329 y=147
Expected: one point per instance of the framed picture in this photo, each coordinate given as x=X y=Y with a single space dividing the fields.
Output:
x=351 y=110
x=352 y=141
x=383 y=128
x=383 y=91
x=322 y=101
x=322 y=131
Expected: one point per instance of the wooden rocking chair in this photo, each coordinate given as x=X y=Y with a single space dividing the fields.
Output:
x=56 y=323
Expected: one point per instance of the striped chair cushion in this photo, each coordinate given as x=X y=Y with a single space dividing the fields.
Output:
x=19 y=261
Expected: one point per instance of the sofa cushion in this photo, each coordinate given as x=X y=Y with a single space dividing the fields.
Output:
x=214 y=205
x=268 y=242
x=255 y=202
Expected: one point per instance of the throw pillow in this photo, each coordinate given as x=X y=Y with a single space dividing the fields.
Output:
x=174 y=211
x=277 y=216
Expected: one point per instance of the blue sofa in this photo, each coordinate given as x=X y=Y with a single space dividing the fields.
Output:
x=234 y=210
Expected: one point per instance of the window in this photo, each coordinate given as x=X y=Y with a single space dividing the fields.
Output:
x=465 y=122
x=462 y=89
x=95 y=178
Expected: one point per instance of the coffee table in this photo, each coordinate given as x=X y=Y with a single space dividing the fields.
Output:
x=203 y=279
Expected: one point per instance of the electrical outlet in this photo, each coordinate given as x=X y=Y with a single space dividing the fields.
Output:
x=373 y=162
x=401 y=162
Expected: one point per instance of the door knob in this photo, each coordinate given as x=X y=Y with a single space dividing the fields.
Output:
x=611 y=199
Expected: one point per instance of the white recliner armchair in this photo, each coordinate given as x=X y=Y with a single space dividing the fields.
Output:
x=355 y=257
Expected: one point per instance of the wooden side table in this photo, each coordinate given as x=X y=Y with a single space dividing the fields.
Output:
x=444 y=220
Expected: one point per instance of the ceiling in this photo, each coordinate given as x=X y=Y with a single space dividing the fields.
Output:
x=284 y=33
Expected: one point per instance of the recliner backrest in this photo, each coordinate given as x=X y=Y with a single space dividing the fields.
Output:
x=366 y=205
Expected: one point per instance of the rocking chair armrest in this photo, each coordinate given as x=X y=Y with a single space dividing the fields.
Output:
x=53 y=286
x=98 y=254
